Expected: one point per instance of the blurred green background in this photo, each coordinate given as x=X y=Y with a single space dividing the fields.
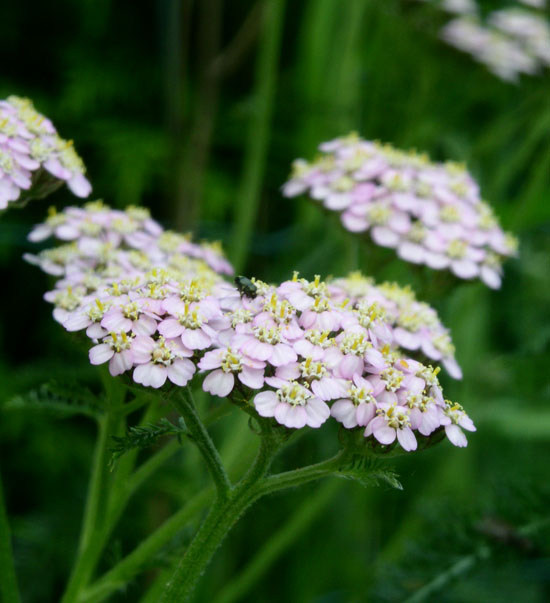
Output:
x=196 y=109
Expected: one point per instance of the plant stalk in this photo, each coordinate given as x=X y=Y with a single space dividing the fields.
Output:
x=197 y=432
x=91 y=537
x=221 y=518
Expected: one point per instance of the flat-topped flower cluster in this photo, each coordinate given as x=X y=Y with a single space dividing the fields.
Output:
x=510 y=41
x=430 y=213
x=110 y=248
x=415 y=325
x=301 y=352
x=33 y=158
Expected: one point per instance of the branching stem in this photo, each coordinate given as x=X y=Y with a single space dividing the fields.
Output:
x=197 y=432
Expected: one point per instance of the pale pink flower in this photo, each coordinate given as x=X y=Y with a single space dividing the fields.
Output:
x=425 y=415
x=392 y=421
x=316 y=374
x=359 y=407
x=130 y=316
x=225 y=364
x=454 y=419
x=116 y=349
x=394 y=316
x=292 y=405
x=160 y=360
x=89 y=317
x=265 y=343
x=190 y=322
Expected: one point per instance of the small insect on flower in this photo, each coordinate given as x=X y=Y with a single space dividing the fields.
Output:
x=246 y=287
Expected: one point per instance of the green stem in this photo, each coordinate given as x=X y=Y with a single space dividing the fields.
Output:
x=198 y=433
x=131 y=565
x=223 y=515
x=285 y=536
x=8 y=582
x=258 y=135
x=91 y=538
x=297 y=477
x=128 y=567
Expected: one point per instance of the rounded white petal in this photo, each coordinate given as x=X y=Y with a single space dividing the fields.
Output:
x=180 y=371
x=317 y=412
x=344 y=412
x=219 y=383
x=100 y=353
x=265 y=403
x=406 y=439
x=455 y=435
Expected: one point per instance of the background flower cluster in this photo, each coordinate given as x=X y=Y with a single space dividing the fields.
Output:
x=430 y=213
x=34 y=160
x=510 y=41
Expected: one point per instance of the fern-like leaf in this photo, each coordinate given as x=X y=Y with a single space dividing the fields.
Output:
x=61 y=399
x=144 y=436
x=368 y=472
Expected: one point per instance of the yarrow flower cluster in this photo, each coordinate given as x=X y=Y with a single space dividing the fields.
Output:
x=430 y=213
x=112 y=243
x=509 y=42
x=34 y=160
x=415 y=325
x=297 y=352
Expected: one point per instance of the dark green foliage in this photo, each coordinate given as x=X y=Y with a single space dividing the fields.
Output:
x=128 y=82
x=508 y=535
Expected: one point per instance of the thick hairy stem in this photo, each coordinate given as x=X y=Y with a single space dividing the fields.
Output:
x=197 y=432
x=297 y=477
x=8 y=580
x=126 y=569
x=286 y=535
x=223 y=515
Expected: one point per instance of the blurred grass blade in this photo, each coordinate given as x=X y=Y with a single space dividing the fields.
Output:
x=8 y=581
x=246 y=206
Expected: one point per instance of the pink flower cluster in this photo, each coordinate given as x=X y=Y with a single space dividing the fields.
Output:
x=415 y=325
x=430 y=213
x=509 y=42
x=298 y=351
x=33 y=158
x=104 y=244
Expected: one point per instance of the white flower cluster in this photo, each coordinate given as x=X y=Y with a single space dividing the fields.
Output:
x=300 y=352
x=430 y=213
x=34 y=160
x=113 y=249
x=415 y=325
x=509 y=42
